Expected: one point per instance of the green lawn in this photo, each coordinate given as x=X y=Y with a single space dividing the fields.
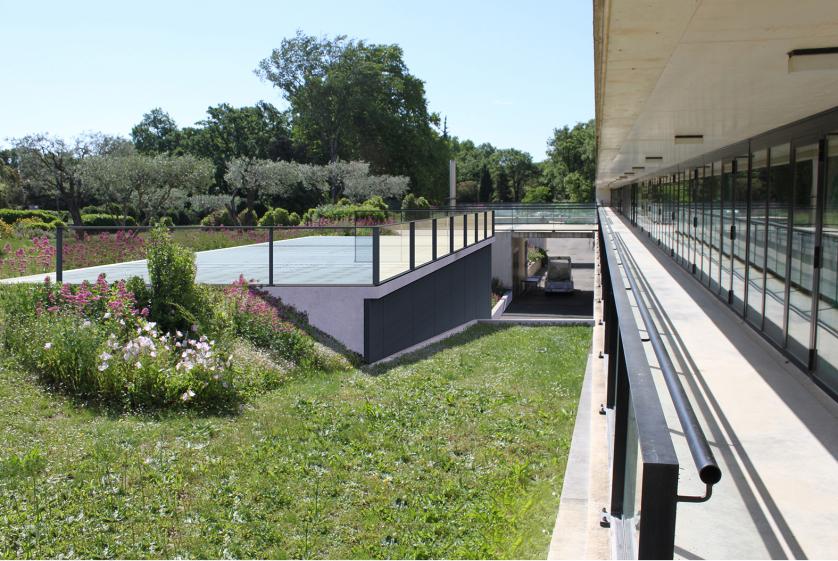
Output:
x=456 y=451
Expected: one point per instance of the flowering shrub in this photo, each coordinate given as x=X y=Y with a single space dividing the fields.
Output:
x=93 y=342
x=262 y=323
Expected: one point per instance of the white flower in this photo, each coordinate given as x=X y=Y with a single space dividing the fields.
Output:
x=122 y=322
x=107 y=315
x=187 y=395
x=153 y=354
x=86 y=323
x=105 y=356
x=103 y=367
x=178 y=333
x=138 y=364
x=48 y=346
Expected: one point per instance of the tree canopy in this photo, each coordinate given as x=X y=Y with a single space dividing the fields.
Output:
x=353 y=100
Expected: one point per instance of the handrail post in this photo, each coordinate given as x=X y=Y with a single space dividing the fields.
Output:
x=451 y=233
x=59 y=253
x=412 y=249
x=476 y=224
x=485 y=224
x=376 y=255
x=433 y=239
x=465 y=230
x=493 y=222
x=270 y=256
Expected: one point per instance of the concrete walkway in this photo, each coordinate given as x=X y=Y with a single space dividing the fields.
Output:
x=774 y=433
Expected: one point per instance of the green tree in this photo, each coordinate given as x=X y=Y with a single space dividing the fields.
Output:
x=353 y=100
x=503 y=192
x=156 y=133
x=153 y=185
x=518 y=167
x=572 y=150
x=485 y=186
x=51 y=167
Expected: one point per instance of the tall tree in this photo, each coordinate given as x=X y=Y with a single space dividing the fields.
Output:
x=518 y=167
x=572 y=151
x=485 y=186
x=503 y=192
x=353 y=100
x=156 y=133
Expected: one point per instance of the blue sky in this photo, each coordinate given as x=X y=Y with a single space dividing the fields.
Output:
x=502 y=72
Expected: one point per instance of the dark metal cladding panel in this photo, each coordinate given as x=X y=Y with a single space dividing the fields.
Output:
x=433 y=304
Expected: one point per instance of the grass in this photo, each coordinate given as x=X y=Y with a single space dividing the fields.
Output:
x=456 y=451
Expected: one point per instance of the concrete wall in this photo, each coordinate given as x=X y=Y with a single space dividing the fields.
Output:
x=339 y=310
x=502 y=258
x=433 y=304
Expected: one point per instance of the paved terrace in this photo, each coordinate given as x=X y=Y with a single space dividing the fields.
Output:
x=774 y=433
x=310 y=260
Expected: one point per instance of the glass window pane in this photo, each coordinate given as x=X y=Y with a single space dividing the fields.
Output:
x=756 y=226
x=827 y=336
x=802 y=251
x=739 y=217
x=727 y=226
x=779 y=199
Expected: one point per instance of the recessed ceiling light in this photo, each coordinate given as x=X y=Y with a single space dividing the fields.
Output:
x=654 y=158
x=637 y=167
x=822 y=58
x=689 y=138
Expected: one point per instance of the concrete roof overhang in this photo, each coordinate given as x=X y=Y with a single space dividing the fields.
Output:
x=701 y=67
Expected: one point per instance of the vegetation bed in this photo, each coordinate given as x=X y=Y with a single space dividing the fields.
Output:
x=456 y=451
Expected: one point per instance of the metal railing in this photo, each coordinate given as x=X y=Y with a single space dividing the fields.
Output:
x=645 y=467
x=519 y=214
x=354 y=254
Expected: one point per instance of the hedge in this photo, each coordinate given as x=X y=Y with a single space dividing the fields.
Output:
x=11 y=215
x=107 y=220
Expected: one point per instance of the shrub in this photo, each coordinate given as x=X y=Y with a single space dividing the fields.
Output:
x=30 y=226
x=259 y=322
x=218 y=217
x=6 y=230
x=10 y=216
x=536 y=255
x=416 y=207
x=107 y=220
x=347 y=213
x=375 y=202
x=248 y=218
x=279 y=217
x=171 y=268
x=165 y=221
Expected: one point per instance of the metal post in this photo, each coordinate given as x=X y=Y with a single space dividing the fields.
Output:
x=485 y=224
x=433 y=239
x=59 y=253
x=451 y=233
x=412 y=245
x=465 y=230
x=271 y=255
x=658 y=503
x=618 y=477
x=376 y=255
x=476 y=221
x=493 y=222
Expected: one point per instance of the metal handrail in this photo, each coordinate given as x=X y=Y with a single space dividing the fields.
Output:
x=708 y=469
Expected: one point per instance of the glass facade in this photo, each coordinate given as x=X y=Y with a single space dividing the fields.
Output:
x=759 y=228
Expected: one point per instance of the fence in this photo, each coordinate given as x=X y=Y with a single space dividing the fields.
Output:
x=510 y=215
x=644 y=487
x=358 y=253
